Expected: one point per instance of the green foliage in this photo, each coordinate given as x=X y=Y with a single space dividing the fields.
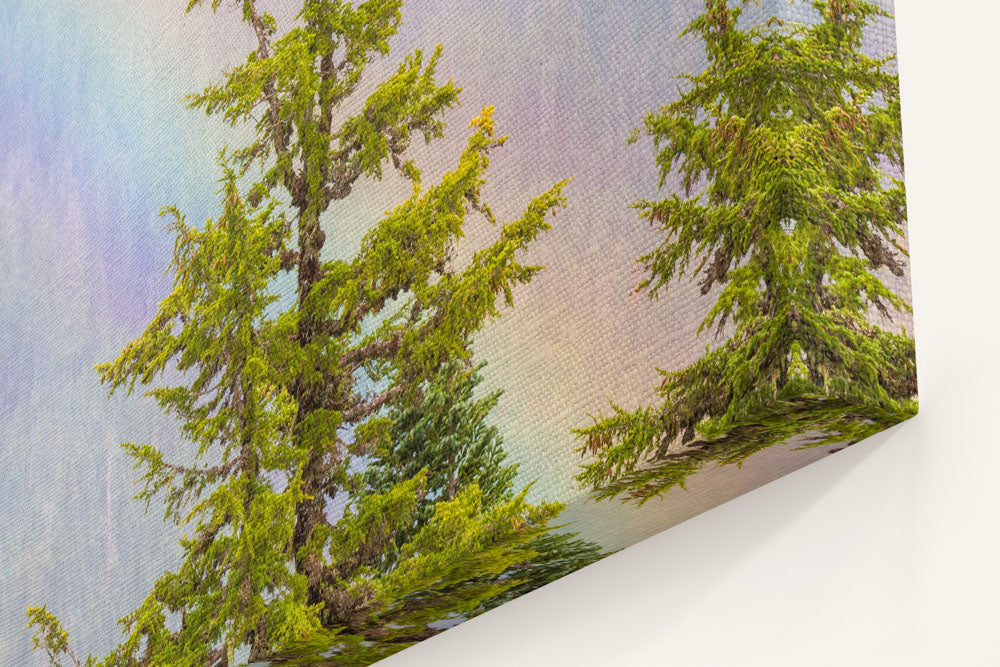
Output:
x=283 y=406
x=447 y=436
x=788 y=151
x=456 y=566
x=50 y=637
x=457 y=542
x=557 y=554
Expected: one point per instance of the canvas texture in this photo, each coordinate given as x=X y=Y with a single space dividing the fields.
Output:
x=326 y=325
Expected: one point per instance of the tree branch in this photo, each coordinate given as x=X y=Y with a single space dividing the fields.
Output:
x=364 y=409
x=269 y=92
x=374 y=350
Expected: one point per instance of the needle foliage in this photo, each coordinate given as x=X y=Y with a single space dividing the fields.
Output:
x=334 y=486
x=787 y=154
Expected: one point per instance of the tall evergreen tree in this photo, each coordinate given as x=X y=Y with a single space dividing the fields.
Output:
x=787 y=148
x=280 y=402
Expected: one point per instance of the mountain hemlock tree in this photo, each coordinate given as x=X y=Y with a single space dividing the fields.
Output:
x=285 y=405
x=788 y=151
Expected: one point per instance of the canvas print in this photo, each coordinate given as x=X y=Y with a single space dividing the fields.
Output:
x=329 y=325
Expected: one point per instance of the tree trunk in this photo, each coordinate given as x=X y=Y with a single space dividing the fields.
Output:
x=311 y=511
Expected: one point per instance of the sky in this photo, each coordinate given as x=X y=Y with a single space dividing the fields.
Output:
x=94 y=140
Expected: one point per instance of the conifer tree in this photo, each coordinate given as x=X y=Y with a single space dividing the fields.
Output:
x=448 y=436
x=282 y=399
x=788 y=151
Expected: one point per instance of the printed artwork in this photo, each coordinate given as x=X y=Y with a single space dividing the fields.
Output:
x=329 y=325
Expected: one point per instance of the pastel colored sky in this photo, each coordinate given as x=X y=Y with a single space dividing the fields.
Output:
x=94 y=140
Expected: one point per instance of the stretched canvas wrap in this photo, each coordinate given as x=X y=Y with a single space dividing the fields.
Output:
x=328 y=325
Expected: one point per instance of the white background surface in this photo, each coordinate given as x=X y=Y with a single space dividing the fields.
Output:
x=887 y=553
